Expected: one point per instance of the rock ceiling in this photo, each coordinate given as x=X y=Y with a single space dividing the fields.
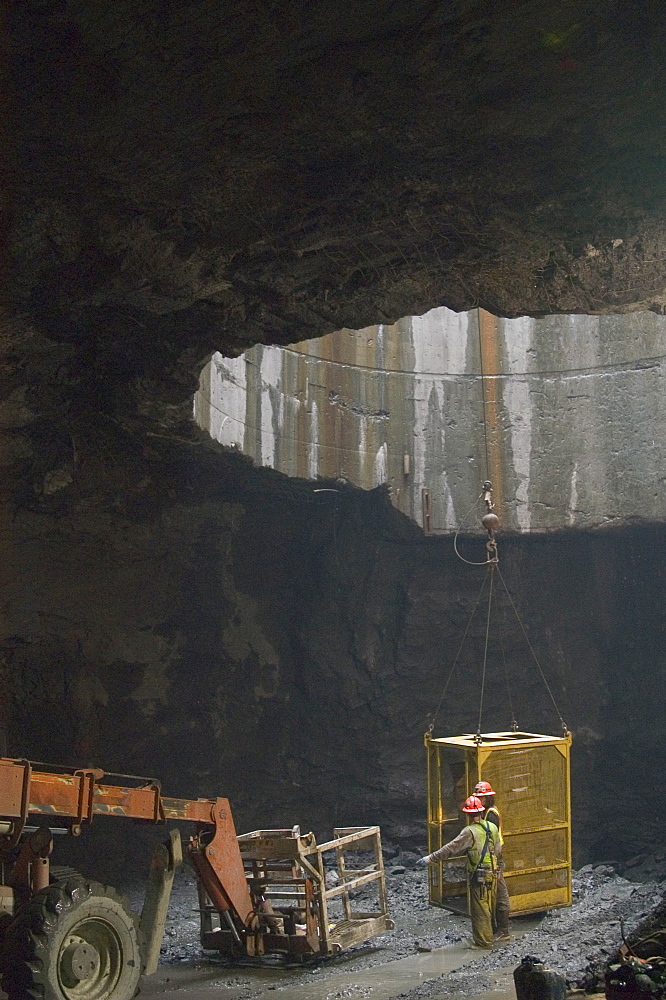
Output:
x=198 y=175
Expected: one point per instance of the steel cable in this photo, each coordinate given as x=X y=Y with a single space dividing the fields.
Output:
x=536 y=659
x=459 y=529
x=485 y=652
x=462 y=642
x=514 y=721
x=483 y=393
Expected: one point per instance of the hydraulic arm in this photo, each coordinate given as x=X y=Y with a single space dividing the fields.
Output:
x=263 y=892
x=79 y=796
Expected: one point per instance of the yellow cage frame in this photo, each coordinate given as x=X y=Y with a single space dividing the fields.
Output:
x=531 y=774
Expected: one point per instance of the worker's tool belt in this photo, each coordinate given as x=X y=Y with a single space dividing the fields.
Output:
x=482 y=876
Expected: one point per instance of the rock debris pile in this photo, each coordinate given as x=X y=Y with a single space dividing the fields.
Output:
x=577 y=941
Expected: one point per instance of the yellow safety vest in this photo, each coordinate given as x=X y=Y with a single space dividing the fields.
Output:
x=480 y=829
x=495 y=810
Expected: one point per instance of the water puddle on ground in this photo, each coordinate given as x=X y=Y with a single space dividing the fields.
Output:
x=381 y=982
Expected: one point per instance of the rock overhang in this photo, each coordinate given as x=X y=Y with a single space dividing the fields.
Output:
x=208 y=178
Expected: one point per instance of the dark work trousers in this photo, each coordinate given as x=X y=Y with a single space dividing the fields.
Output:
x=501 y=914
x=481 y=908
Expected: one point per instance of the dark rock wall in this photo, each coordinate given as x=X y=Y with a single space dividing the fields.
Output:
x=234 y=632
x=226 y=173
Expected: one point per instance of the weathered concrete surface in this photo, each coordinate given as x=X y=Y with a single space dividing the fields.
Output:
x=574 y=414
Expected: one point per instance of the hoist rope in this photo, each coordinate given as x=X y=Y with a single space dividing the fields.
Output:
x=485 y=650
x=483 y=393
x=459 y=529
x=514 y=721
x=536 y=659
x=491 y=561
x=462 y=643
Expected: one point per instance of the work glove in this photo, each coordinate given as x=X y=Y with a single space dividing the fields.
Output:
x=422 y=862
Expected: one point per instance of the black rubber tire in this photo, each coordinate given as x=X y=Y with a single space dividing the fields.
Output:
x=61 y=927
x=61 y=874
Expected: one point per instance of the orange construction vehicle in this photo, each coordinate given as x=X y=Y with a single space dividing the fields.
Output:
x=65 y=937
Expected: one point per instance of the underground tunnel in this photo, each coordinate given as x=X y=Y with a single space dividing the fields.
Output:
x=272 y=275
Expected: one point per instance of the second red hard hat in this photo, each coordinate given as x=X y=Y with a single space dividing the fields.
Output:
x=473 y=805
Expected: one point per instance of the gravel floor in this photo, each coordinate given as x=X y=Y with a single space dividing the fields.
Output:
x=575 y=941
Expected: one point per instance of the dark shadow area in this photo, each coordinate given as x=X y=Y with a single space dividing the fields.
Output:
x=232 y=632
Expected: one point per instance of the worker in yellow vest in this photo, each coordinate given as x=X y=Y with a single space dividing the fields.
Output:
x=481 y=843
x=484 y=791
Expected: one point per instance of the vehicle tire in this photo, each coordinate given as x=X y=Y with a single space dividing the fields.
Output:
x=76 y=940
x=61 y=874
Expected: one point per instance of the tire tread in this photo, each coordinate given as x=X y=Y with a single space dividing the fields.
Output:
x=24 y=957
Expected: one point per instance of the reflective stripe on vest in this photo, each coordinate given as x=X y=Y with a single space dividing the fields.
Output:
x=479 y=829
x=495 y=812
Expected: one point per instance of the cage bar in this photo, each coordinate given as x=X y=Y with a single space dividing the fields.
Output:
x=530 y=774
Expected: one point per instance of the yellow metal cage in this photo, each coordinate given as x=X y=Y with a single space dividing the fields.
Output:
x=530 y=775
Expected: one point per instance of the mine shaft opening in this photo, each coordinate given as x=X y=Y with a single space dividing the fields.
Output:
x=269 y=623
x=576 y=445
x=581 y=536
x=562 y=413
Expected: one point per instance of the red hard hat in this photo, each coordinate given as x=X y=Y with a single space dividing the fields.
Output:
x=483 y=788
x=473 y=805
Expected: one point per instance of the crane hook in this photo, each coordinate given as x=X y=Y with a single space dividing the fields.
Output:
x=490 y=522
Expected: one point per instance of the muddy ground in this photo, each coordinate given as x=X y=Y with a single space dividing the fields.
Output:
x=575 y=941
